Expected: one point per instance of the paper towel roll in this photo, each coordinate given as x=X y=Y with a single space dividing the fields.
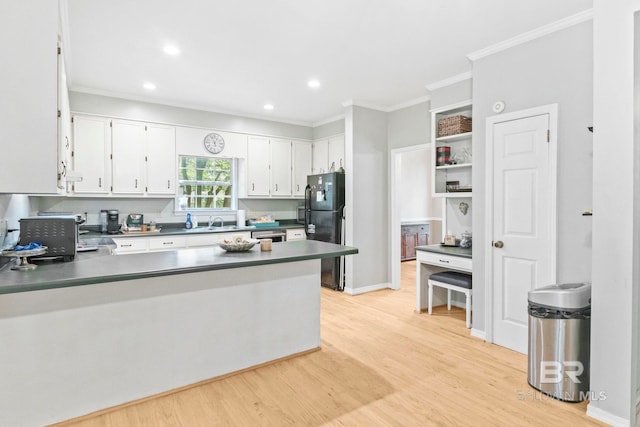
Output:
x=241 y=218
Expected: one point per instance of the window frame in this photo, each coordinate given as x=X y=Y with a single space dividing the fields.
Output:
x=233 y=182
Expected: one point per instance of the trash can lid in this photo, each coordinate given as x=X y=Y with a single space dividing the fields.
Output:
x=566 y=295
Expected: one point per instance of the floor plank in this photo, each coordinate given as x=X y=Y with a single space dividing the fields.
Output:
x=381 y=364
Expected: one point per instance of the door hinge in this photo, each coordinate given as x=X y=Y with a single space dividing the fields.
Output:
x=146 y=159
x=59 y=114
x=59 y=50
x=110 y=123
x=110 y=156
x=71 y=119
x=548 y=135
x=73 y=153
x=145 y=128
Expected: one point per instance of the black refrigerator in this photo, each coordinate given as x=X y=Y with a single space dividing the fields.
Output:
x=324 y=213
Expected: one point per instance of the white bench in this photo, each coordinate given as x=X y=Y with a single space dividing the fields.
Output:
x=452 y=281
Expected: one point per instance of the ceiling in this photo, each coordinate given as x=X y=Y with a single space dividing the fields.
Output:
x=237 y=56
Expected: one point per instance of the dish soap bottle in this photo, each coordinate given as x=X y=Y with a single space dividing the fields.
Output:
x=188 y=224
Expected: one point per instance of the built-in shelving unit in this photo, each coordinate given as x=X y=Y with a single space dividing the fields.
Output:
x=459 y=167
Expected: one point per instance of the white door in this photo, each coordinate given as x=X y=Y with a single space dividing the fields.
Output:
x=320 y=156
x=280 y=167
x=128 y=148
x=301 y=166
x=258 y=166
x=91 y=150
x=161 y=159
x=523 y=208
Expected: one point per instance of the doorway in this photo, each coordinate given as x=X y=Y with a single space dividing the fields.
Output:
x=410 y=198
x=521 y=218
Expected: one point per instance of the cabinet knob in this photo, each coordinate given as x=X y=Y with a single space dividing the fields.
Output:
x=498 y=244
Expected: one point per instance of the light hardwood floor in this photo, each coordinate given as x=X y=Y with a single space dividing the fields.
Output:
x=381 y=364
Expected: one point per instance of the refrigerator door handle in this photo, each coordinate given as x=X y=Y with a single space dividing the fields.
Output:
x=307 y=207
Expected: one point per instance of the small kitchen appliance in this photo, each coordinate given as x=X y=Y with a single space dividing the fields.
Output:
x=58 y=233
x=113 y=221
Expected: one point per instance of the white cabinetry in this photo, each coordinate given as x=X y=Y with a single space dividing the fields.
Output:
x=328 y=152
x=453 y=178
x=29 y=88
x=296 y=234
x=138 y=244
x=161 y=159
x=123 y=157
x=269 y=166
x=320 y=156
x=91 y=152
x=128 y=145
x=64 y=125
x=280 y=169
x=302 y=155
x=258 y=157
x=336 y=152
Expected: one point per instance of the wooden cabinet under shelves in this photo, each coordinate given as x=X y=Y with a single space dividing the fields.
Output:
x=453 y=177
x=412 y=236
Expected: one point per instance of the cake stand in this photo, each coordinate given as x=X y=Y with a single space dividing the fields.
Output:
x=24 y=263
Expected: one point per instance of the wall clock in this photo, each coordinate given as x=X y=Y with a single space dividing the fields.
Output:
x=214 y=143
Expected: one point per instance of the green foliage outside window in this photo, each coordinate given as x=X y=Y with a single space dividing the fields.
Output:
x=205 y=183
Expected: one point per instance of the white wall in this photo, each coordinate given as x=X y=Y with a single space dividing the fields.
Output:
x=138 y=110
x=366 y=199
x=328 y=129
x=414 y=196
x=557 y=68
x=12 y=208
x=614 y=326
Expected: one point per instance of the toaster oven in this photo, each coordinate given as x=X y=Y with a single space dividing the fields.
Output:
x=58 y=233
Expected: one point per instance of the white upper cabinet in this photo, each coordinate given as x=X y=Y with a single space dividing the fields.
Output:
x=91 y=151
x=336 y=152
x=29 y=88
x=64 y=125
x=320 y=156
x=302 y=155
x=258 y=157
x=128 y=162
x=280 y=167
x=161 y=159
x=123 y=157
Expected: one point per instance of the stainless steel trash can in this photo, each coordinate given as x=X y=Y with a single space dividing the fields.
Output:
x=559 y=340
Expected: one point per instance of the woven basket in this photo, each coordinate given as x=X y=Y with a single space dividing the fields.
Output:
x=454 y=125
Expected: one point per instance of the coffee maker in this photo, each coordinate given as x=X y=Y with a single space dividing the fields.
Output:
x=113 y=221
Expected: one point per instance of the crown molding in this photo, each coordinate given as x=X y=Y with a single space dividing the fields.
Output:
x=533 y=34
x=450 y=81
x=364 y=104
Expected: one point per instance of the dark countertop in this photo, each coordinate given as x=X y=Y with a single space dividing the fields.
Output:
x=446 y=250
x=99 y=267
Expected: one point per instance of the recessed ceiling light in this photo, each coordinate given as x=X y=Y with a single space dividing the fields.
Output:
x=313 y=83
x=171 y=50
x=268 y=107
x=149 y=86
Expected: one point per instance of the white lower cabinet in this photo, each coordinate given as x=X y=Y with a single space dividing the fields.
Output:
x=132 y=245
x=211 y=239
x=296 y=234
x=167 y=243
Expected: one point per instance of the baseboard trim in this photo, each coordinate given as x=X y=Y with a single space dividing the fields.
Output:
x=607 y=417
x=365 y=289
x=478 y=334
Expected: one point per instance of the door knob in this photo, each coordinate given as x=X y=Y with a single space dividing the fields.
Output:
x=498 y=244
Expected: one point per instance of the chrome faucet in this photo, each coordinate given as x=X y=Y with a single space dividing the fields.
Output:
x=211 y=221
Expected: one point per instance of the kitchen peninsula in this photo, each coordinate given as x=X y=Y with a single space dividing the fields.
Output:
x=104 y=330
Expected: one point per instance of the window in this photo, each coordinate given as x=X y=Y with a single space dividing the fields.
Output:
x=205 y=183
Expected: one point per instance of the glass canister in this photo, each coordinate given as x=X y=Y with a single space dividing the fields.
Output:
x=465 y=240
